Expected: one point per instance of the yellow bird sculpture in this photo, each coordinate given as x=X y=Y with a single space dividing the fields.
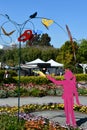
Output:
x=40 y=73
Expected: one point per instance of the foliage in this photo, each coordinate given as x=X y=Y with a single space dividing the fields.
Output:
x=50 y=53
x=45 y=40
x=10 y=79
x=82 y=52
x=40 y=40
x=81 y=77
x=54 y=92
x=66 y=52
x=3 y=94
x=32 y=79
x=82 y=91
x=22 y=91
x=27 y=55
x=10 y=122
x=43 y=80
x=10 y=57
x=35 y=86
x=28 y=108
x=37 y=92
x=28 y=122
x=13 y=93
x=45 y=51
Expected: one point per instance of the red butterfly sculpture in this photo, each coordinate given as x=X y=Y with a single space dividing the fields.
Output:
x=27 y=35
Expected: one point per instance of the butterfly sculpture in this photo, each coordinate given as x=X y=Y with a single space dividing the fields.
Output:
x=7 y=34
x=27 y=35
x=47 y=22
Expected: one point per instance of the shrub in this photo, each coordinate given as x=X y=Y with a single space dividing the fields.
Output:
x=32 y=79
x=36 y=92
x=81 y=77
x=12 y=93
x=82 y=91
x=3 y=94
x=21 y=90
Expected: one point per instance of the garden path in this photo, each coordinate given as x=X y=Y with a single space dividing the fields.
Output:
x=37 y=100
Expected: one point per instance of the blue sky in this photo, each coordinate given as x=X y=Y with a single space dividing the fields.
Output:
x=70 y=12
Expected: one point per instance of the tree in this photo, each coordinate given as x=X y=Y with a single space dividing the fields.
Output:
x=29 y=54
x=66 y=54
x=44 y=40
x=34 y=41
x=82 y=52
x=39 y=40
x=49 y=53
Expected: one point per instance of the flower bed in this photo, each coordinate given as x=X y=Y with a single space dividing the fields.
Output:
x=31 y=122
x=11 y=90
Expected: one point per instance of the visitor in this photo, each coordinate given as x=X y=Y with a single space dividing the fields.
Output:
x=6 y=74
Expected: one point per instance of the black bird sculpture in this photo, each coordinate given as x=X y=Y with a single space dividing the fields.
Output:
x=33 y=15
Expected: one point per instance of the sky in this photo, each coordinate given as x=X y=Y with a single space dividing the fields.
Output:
x=63 y=12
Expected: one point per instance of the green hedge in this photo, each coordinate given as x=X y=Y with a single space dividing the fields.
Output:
x=81 y=77
x=42 y=80
x=34 y=79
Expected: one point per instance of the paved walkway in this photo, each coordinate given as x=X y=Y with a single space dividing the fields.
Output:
x=58 y=116
x=37 y=100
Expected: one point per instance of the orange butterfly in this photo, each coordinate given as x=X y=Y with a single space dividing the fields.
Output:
x=7 y=34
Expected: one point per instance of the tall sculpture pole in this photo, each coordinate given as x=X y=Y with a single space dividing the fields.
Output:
x=19 y=29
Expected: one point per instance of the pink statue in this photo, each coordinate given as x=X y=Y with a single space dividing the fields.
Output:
x=69 y=91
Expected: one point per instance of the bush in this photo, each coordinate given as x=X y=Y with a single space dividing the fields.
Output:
x=82 y=91
x=81 y=77
x=21 y=90
x=3 y=94
x=12 y=93
x=32 y=79
x=36 y=79
x=36 y=92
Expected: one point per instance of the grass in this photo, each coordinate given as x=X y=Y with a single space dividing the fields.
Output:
x=10 y=122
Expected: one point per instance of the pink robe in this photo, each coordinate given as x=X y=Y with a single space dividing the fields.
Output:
x=69 y=91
